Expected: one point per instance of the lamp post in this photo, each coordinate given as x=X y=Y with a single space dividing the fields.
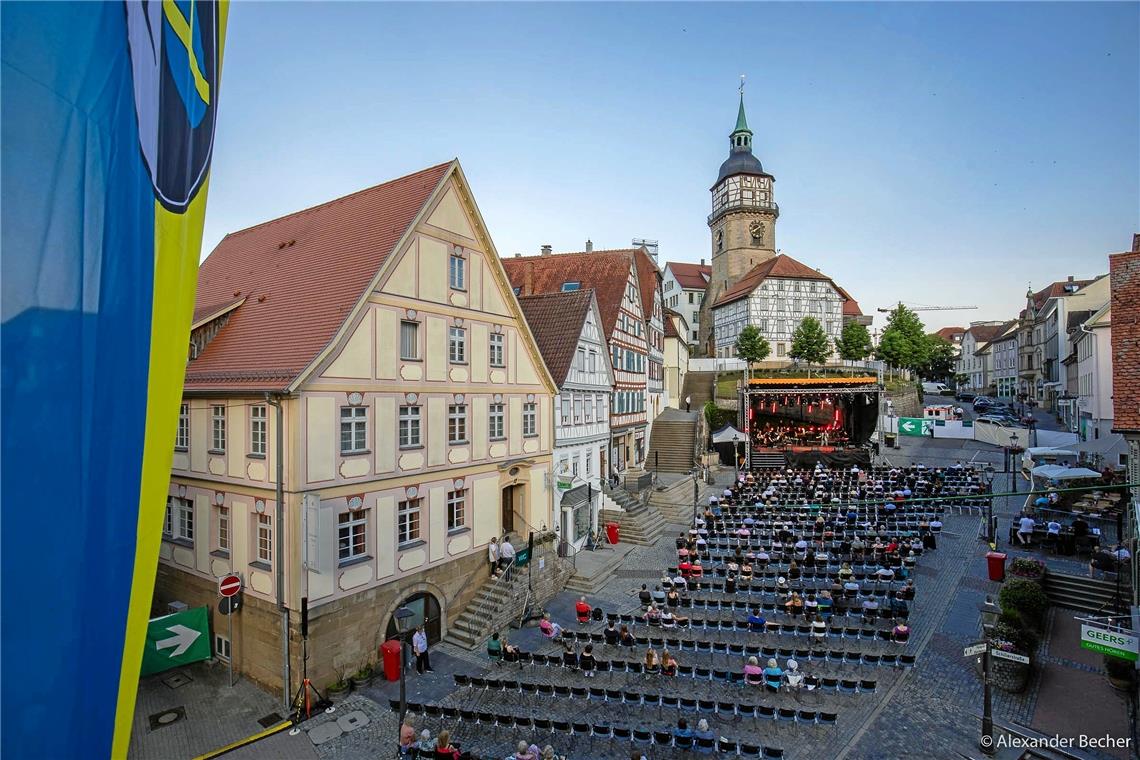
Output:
x=696 y=494
x=402 y=614
x=736 y=455
x=1013 y=438
x=988 y=473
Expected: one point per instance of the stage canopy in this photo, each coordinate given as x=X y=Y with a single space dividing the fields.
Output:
x=727 y=433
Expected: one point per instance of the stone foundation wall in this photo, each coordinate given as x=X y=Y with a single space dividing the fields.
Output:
x=906 y=403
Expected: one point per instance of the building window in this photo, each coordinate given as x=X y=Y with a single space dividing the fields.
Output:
x=601 y=408
x=409 y=340
x=221 y=647
x=264 y=535
x=352 y=535
x=456 y=509
x=223 y=528
x=408 y=521
x=565 y=409
x=781 y=349
x=168 y=518
x=530 y=420
x=182 y=439
x=457 y=345
x=457 y=273
x=218 y=418
x=496 y=351
x=588 y=462
x=353 y=429
x=588 y=409
x=179 y=521
x=496 y=421
x=577 y=410
x=409 y=426
x=457 y=423
x=257 y=430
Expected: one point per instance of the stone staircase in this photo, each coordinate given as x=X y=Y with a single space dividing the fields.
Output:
x=594 y=568
x=641 y=526
x=768 y=459
x=699 y=386
x=499 y=603
x=1094 y=595
x=672 y=441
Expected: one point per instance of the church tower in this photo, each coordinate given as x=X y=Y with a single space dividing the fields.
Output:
x=743 y=218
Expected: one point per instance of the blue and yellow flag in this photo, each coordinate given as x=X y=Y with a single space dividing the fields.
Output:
x=108 y=114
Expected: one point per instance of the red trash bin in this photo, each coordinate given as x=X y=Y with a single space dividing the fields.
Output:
x=390 y=652
x=612 y=532
x=995 y=561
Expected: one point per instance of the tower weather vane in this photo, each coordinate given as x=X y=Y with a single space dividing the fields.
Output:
x=741 y=85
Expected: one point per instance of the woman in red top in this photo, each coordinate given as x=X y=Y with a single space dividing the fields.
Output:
x=582 y=610
x=685 y=568
x=696 y=570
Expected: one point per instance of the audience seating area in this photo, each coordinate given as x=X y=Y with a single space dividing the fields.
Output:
x=767 y=672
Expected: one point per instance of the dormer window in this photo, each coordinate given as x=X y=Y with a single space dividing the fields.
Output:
x=571 y=285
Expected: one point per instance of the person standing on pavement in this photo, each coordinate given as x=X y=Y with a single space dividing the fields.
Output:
x=420 y=647
x=493 y=554
x=688 y=403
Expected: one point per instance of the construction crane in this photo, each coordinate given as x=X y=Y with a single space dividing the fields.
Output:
x=919 y=307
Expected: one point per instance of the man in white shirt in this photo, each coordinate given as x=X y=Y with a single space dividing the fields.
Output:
x=506 y=554
x=420 y=648
x=1025 y=530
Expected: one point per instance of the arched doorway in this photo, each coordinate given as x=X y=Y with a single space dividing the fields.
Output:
x=425 y=611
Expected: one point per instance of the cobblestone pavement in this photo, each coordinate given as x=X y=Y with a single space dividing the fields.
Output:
x=930 y=711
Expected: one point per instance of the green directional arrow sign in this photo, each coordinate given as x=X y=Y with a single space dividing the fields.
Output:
x=914 y=426
x=177 y=639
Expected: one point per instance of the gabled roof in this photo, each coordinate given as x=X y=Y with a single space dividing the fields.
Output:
x=556 y=321
x=785 y=267
x=671 y=318
x=1054 y=290
x=647 y=279
x=690 y=276
x=300 y=276
x=985 y=334
x=606 y=272
x=948 y=333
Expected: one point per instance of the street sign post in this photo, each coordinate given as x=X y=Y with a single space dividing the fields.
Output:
x=986 y=742
x=1113 y=643
x=178 y=639
x=229 y=585
x=973 y=649
x=915 y=426
x=1003 y=655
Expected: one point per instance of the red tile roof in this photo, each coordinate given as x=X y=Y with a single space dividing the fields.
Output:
x=1055 y=289
x=690 y=276
x=1124 y=285
x=300 y=276
x=948 y=333
x=556 y=320
x=671 y=318
x=988 y=333
x=786 y=267
x=604 y=271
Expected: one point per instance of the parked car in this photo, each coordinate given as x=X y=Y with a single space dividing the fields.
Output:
x=986 y=419
x=963 y=396
x=982 y=402
x=934 y=389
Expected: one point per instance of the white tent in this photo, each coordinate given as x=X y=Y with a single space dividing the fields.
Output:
x=1050 y=451
x=1056 y=472
x=726 y=434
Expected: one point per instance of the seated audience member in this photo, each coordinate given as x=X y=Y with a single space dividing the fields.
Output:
x=582 y=610
x=653 y=615
x=644 y=596
x=673 y=599
x=845 y=571
x=826 y=603
x=658 y=595
x=756 y=621
x=900 y=634
x=627 y=639
x=793 y=676
x=495 y=648
x=587 y=663
x=668 y=664
x=682 y=730
x=753 y=673
x=1025 y=530
x=569 y=656
x=611 y=634
x=773 y=675
x=1053 y=528
x=443 y=749
x=524 y=752
x=697 y=571
x=730 y=584
x=818 y=627
x=1122 y=554
x=426 y=742
x=651 y=661
x=549 y=629
x=703 y=731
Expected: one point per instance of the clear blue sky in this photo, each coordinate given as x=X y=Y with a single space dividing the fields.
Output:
x=942 y=154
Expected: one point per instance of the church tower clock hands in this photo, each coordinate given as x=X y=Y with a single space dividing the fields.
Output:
x=742 y=222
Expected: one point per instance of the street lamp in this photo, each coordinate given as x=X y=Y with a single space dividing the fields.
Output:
x=1012 y=461
x=988 y=473
x=696 y=494
x=401 y=615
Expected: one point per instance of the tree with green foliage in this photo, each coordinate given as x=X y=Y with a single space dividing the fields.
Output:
x=940 y=355
x=903 y=343
x=854 y=343
x=752 y=346
x=809 y=342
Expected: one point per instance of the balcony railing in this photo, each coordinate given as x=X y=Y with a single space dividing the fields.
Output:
x=735 y=205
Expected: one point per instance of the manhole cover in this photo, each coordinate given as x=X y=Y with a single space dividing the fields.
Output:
x=272 y=719
x=176 y=680
x=166 y=718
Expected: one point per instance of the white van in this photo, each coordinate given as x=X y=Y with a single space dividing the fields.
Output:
x=934 y=389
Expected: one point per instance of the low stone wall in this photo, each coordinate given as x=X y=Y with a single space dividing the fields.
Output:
x=906 y=403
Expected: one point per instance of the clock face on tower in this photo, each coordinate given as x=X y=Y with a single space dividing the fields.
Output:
x=757 y=231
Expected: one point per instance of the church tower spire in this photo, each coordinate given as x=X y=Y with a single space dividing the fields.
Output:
x=743 y=218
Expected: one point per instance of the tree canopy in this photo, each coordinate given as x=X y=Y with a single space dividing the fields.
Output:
x=903 y=343
x=809 y=342
x=940 y=356
x=854 y=343
x=752 y=346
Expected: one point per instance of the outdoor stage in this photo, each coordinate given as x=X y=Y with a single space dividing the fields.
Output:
x=802 y=421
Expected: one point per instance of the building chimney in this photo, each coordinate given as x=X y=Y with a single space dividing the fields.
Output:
x=546 y=249
x=1070 y=278
x=702 y=262
x=589 y=246
x=528 y=281
x=1136 y=241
